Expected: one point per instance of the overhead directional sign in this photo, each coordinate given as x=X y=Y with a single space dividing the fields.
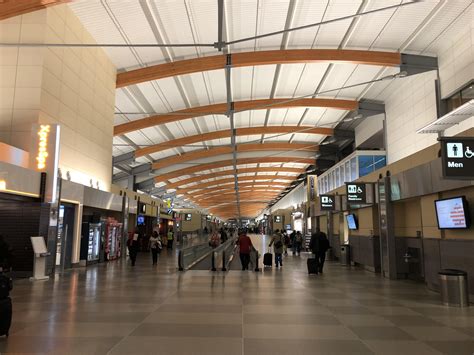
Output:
x=328 y=202
x=356 y=192
x=457 y=155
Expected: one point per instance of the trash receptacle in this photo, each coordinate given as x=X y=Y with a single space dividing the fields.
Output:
x=345 y=254
x=454 y=290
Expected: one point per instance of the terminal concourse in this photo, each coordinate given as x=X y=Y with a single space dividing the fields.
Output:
x=229 y=176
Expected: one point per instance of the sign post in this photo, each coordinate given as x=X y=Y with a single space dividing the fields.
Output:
x=457 y=155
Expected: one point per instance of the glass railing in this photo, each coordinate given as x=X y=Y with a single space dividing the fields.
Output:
x=190 y=256
x=223 y=255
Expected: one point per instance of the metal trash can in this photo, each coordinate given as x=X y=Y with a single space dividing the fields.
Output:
x=345 y=254
x=454 y=290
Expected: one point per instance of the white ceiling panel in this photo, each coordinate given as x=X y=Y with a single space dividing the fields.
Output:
x=439 y=24
x=330 y=35
x=242 y=20
x=307 y=12
x=289 y=77
x=310 y=78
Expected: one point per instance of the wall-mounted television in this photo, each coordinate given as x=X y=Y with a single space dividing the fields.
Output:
x=453 y=213
x=351 y=221
x=140 y=220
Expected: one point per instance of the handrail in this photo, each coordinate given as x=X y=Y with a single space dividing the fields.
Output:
x=223 y=250
x=198 y=253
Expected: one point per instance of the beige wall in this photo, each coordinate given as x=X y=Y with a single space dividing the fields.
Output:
x=407 y=217
x=367 y=220
x=73 y=87
x=192 y=225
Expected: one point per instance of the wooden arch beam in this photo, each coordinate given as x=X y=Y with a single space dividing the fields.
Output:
x=230 y=162
x=245 y=59
x=226 y=133
x=251 y=147
x=228 y=192
x=222 y=108
x=272 y=184
x=12 y=8
x=230 y=172
x=232 y=180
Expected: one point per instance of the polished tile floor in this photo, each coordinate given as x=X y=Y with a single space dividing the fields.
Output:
x=114 y=309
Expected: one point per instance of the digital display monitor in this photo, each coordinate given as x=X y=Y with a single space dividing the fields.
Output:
x=188 y=216
x=140 y=220
x=452 y=213
x=351 y=222
x=288 y=227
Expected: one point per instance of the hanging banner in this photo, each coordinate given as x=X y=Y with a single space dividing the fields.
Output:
x=312 y=187
x=44 y=156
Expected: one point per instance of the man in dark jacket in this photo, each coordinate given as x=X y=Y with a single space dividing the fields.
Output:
x=319 y=245
x=4 y=254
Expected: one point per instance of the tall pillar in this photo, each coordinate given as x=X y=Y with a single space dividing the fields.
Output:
x=387 y=232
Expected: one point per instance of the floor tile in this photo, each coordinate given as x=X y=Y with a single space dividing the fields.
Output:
x=269 y=331
x=188 y=330
x=291 y=319
x=194 y=318
x=304 y=347
x=435 y=333
x=391 y=347
x=408 y=320
x=363 y=320
x=453 y=347
x=139 y=345
x=381 y=333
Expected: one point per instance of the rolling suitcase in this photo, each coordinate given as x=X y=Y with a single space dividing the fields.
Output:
x=312 y=266
x=5 y=316
x=268 y=259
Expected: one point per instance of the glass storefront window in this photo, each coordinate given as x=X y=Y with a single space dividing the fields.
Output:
x=348 y=172
x=366 y=165
x=379 y=161
x=354 y=175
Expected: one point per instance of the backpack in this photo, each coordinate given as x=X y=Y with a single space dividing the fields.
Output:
x=6 y=285
x=299 y=238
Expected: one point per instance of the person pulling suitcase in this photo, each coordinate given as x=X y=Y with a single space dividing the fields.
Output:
x=6 y=285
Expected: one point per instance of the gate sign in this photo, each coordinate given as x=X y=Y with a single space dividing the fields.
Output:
x=457 y=155
x=328 y=202
x=356 y=192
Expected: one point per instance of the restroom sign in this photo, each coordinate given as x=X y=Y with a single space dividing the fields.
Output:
x=457 y=155
x=327 y=202
x=356 y=192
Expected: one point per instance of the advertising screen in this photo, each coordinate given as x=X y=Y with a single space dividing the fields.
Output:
x=140 y=220
x=351 y=222
x=452 y=213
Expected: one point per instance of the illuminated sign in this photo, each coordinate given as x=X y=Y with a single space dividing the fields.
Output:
x=328 y=202
x=457 y=155
x=3 y=185
x=42 y=155
x=356 y=192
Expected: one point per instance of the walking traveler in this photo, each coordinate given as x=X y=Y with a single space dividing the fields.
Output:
x=277 y=242
x=170 y=240
x=245 y=247
x=286 y=242
x=132 y=244
x=155 y=247
x=319 y=244
x=4 y=254
x=298 y=243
